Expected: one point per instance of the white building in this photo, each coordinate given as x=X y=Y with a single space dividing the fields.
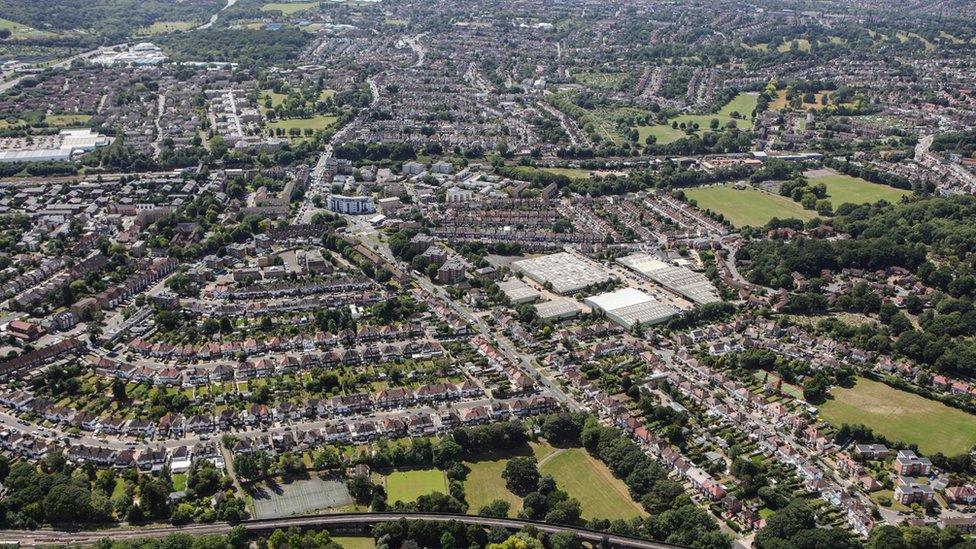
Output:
x=457 y=195
x=353 y=205
x=631 y=306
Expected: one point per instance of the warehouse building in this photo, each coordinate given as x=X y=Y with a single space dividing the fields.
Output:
x=566 y=272
x=518 y=292
x=558 y=309
x=692 y=285
x=630 y=306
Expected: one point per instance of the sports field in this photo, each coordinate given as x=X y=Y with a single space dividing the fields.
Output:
x=747 y=206
x=843 y=188
x=319 y=122
x=407 y=486
x=904 y=416
x=289 y=8
x=600 y=494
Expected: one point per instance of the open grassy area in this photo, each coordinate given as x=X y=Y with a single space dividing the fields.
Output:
x=67 y=119
x=163 y=27
x=601 y=80
x=409 y=485
x=801 y=43
x=572 y=173
x=319 y=122
x=18 y=30
x=179 y=482
x=485 y=483
x=600 y=494
x=289 y=8
x=904 y=416
x=743 y=104
x=355 y=542
x=843 y=188
x=747 y=206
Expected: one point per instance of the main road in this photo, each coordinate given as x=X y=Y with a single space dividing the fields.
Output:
x=344 y=522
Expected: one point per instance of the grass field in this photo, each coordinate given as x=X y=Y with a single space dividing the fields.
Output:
x=355 y=542
x=289 y=8
x=319 y=122
x=586 y=479
x=18 y=30
x=163 y=27
x=743 y=103
x=904 y=416
x=67 y=119
x=572 y=173
x=802 y=43
x=747 y=206
x=485 y=483
x=601 y=80
x=409 y=485
x=843 y=188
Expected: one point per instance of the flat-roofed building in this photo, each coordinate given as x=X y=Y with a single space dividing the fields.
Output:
x=681 y=280
x=630 y=306
x=567 y=273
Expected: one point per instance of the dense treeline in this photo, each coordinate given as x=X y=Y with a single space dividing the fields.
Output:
x=245 y=46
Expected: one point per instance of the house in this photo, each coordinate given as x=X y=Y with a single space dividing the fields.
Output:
x=871 y=452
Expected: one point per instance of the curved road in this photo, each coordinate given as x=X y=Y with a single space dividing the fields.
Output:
x=343 y=521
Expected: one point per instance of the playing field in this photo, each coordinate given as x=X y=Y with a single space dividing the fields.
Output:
x=600 y=494
x=485 y=483
x=409 y=485
x=843 y=188
x=743 y=104
x=289 y=8
x=747 y=206
x=319 y=122
x=904 y=416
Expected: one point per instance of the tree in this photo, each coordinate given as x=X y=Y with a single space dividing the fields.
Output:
x=118 y=390
x=498 y=508
x=886 y=537
x=521 y=475
x=67 y=503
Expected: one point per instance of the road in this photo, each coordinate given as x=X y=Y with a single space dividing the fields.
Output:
x=213 y=18
x=318 y=185
x=345 y=521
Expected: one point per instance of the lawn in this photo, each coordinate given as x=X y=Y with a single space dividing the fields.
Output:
x=355 y=542
x=801 y=43
x=409 y=485
x=179 y=482
x=748 y=206
x=572 y=173
x=843 y=188
x=904 y=416
x=163 y=27
x=743 y=104
x=67 y=119
x=485 y=483
x=289 y=8
x=600 y=494
x=18 y=30
x=319 y=122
